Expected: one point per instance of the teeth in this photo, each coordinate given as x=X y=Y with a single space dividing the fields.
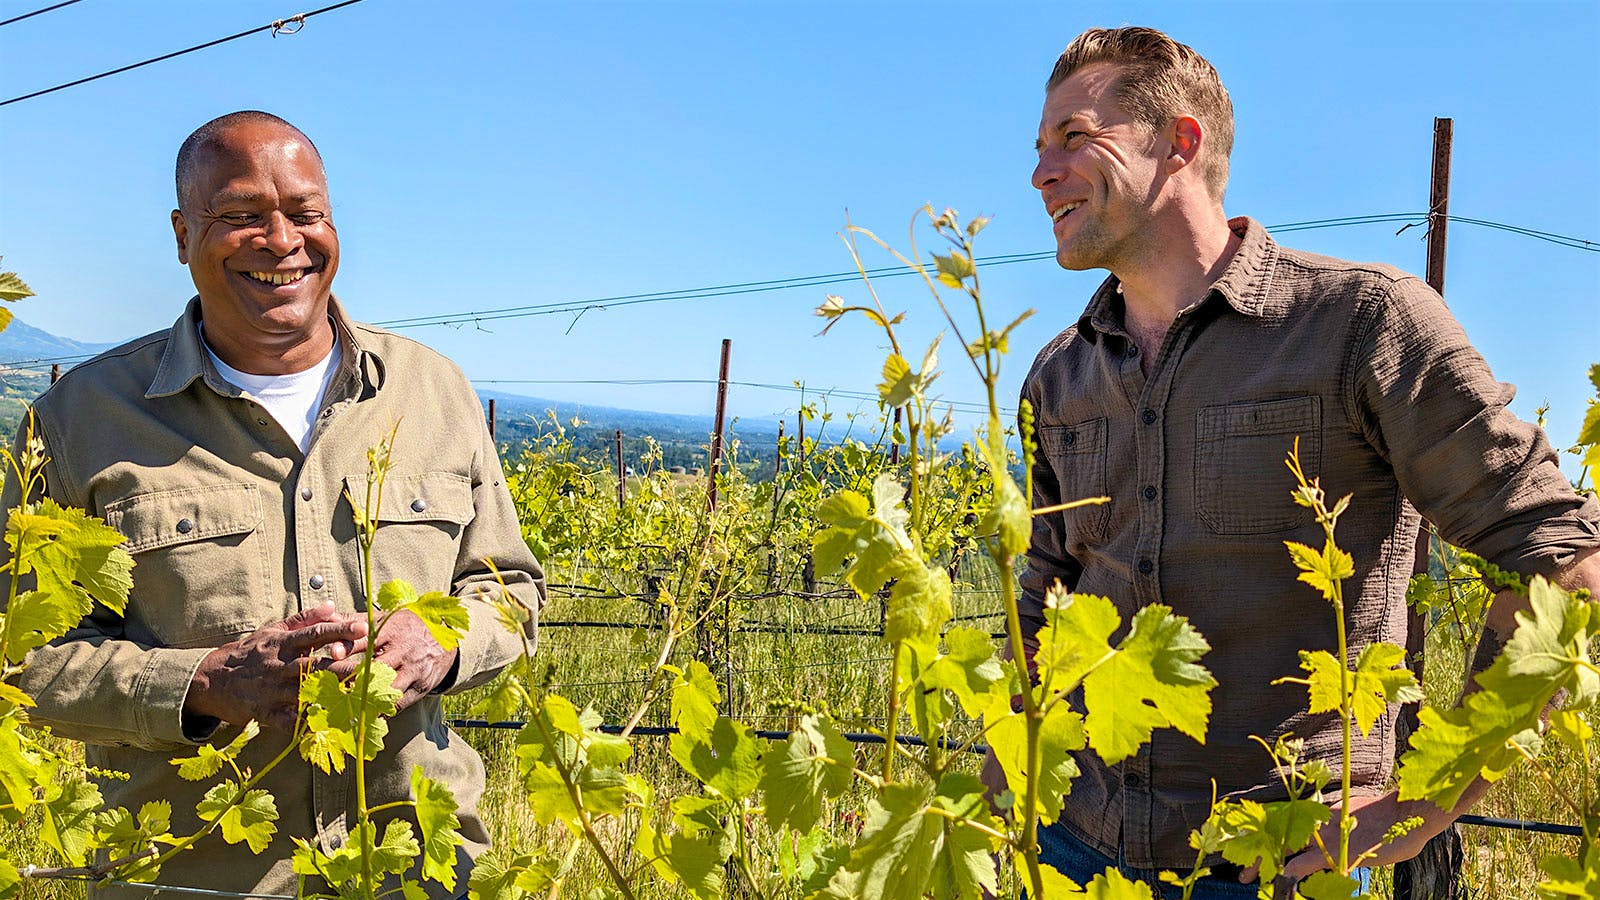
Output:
x=278 y=277
x=1056 y=217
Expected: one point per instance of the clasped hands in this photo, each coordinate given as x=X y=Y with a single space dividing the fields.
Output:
x=258 y=676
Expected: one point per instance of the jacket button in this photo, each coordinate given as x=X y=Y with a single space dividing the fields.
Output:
x=262 y=422
x=1149 y=492
x=418 y=505
x=305 y=493
x=1070 y=438
x=316 y=582
x=1146 y=567
x=185 y=526
x=1149 y=417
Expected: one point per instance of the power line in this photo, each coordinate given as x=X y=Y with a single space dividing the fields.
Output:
x=39 y=12
x=750 y=287
x=282 y=26
x=972 y=406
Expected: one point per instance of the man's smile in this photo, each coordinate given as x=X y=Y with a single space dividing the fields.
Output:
x=287 y=276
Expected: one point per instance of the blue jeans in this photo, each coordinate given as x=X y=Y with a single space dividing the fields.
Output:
x=1078 y=861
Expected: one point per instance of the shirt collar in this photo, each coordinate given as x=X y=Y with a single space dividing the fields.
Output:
x=185 y=359
x=1243 y=284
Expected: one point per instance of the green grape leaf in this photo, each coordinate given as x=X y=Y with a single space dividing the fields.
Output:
x=911 y=845
x=953 y=268
x=331 y=711
x=1266 y=832
x=527 y=874
x=9 y=876
x=1060 y=734
x=21 y=765
x=122 y=834
x=13 y=288
x=1571 y=728
x=694 y=701
x=815 y=762
x=209 y=760
x=506 y=696
x=398 y=849
x=36 y=618
x=445 y=616
x=70 y=811
x=410 y=890
x=12 y=698
x=919 y=603
x=1569 y=877
x=1328 y=886
x=1055 y=883
x=436 y=819
x=1009 y=518
x=85 y=556
x=1323 y=681
x=1113 y=885
x=1381 y=679
x=899 y=382
x=1324 y=570
x=251 y=817
x=1495 y=725
x=557 y=739
x=728 y=761
x=970 y=670
x=1151 y=682
x=393 y=595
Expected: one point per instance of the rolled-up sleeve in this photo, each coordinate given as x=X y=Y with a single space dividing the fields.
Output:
x=1427 y=401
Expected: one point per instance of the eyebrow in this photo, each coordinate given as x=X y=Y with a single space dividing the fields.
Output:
x=246 y=198
x=1059 y=127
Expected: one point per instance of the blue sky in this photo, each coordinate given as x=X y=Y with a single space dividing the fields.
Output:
x=485 y=155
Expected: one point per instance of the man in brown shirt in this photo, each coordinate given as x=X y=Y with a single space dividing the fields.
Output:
x=1179 y=393
x=231 y=475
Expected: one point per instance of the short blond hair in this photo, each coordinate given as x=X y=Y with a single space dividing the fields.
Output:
x=1158 y=80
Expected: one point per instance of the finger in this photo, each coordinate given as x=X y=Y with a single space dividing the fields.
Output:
x=1304 y=864
x=322 y=612
x=304 y=640
x=1249 y=874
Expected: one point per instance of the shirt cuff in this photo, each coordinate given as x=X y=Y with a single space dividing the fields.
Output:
x=158 y=698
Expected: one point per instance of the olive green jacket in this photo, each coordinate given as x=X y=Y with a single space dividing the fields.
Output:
x=232 y=527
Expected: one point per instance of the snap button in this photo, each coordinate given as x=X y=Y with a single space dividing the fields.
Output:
x=1146 y=567
x=261 y=422
x=1132 y=779
x=1071 y=438
x=316 y=582
x=305 y=493
x=1133 y=349
x=418 y=505
x=1149 y=492
x=1149 y=417
x=185 y=526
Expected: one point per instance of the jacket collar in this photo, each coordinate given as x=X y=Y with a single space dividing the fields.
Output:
x=1243 y=284
x=186 y=361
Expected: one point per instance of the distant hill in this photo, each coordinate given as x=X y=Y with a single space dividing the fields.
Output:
x=23 y=344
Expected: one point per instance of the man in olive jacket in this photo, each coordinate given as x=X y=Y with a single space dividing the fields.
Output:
x=227 y=451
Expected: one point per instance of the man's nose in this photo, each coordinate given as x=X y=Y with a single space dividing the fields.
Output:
x=280 y=236
x=1047 y=172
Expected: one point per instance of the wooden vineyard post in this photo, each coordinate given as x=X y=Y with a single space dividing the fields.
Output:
x=717 y=654
x=55 y=372
x=491 y=419
x=622 y=475
x=894 y=439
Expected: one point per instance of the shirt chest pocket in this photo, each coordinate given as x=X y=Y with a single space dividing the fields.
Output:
x=421 y=518
x=199 y=562
x=1241 y=485
x=1077 y=457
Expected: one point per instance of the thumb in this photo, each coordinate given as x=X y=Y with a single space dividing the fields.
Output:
x=322 y=612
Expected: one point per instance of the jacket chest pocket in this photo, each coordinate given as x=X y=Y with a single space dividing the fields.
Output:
x=420 y=522
x=1077 y=457
x=1241 y=485
x=199 y=563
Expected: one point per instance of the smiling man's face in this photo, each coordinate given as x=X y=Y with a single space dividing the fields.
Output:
x=1099 y=172
x=257 y=234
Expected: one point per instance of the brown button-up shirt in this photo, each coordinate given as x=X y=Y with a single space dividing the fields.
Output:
x=232 y=527
x=1366 y=366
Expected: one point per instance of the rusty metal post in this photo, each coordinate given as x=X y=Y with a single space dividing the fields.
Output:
x=491 y=418
x=55 y=372
x=622 y=475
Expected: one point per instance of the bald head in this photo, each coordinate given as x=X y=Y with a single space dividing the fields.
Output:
x=210 y=136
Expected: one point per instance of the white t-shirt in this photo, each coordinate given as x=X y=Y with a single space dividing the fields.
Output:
x=292 y=399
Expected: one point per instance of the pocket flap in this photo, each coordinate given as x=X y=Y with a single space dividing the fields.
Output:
x=1294 y=414
x=1084 y=437
x=424 y=497
x=163 y=518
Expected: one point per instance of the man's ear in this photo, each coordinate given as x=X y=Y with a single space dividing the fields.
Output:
x=1185 y=137
x=180 y=230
